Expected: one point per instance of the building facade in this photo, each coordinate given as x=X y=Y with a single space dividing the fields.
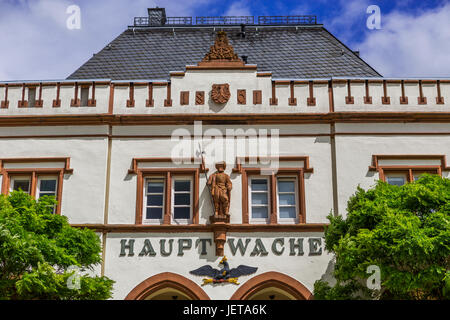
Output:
x=128 y=142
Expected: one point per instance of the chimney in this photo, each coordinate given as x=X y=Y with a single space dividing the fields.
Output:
x=156 y=16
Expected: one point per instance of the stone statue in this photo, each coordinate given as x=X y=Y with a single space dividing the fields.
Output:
x=220 y=190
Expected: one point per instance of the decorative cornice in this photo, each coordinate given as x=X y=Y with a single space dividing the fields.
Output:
x=238 y=118
x=126 y=228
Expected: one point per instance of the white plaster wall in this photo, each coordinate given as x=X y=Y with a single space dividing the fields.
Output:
x=354 y=155
x=392 y=127
x=202 y=80
x=393 y=90
x=129 y=271
x=52 y=130
x=84 y=190
x=49 y=94
x=318 y=187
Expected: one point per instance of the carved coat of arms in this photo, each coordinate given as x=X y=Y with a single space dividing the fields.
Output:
x=220 y=93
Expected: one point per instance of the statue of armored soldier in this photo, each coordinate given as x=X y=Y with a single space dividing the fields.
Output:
x=220 y=186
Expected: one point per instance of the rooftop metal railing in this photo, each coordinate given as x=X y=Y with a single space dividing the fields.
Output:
x=228 y=20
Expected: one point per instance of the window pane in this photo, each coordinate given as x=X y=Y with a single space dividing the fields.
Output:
x=287 y=199
x=31 y=97
x=417 y=175
x=182 y=213
x=396 y=181
x=259 y=198
x=155 y=200
x=287 y=212
x=47 y=194
x=24 y=185
x=48 y=185
x=182 y=199
x=286 y=186
x=259 y=185
x=182 y=185
x=155 y=187
x=259 y=212
x=154 y=213
x=84 y=96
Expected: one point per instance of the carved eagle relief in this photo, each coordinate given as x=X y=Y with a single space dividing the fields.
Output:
x=226 y=274
x=220 y=93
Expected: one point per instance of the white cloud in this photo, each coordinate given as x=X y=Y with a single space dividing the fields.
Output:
x=410 y=45
x=239 y=8
x=36 y=43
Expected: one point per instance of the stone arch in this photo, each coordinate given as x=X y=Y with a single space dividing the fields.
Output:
x=280 y=281
x=165 y=280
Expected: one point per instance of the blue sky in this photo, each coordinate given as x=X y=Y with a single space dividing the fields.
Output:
x=414 y=39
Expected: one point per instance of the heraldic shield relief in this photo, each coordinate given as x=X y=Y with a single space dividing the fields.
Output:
x=220 y=93
x=223 y=275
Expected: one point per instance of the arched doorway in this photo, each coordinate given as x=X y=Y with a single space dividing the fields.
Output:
x=167 y=286
x=272 y=286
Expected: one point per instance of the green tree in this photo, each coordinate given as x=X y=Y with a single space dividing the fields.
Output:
x=405 y=231
x=39 y=249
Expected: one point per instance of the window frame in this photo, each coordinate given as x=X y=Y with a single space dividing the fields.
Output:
x=31 y=102
x=408 y=171
x=247 y=173
x=84 y=95
x=191 y=199
x=168 y=174
x=38 y=186
x=15 y=177
x=35 y=172
x=145 y=206
x=296 y=197
x=269 y=198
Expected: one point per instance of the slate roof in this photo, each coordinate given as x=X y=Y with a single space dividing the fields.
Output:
x=288 y=52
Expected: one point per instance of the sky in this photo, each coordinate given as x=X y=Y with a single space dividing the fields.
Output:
x=412 y=38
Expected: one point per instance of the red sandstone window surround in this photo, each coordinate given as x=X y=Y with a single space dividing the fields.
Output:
x=34 y=177
x=166 y=195
x=400 y=169
x=273 y=197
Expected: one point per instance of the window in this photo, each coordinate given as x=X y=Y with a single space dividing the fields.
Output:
x=84 y=96
x=154 y=199
x=47 y=186
x=168 y=197
x=36 y=176
x=31 y=97
x=287 y=198
x=259 y=199
x=182 y=199
x=396 y=179
x=275 y=198
x=400 y=177
x=21 y=183
x=401 y=169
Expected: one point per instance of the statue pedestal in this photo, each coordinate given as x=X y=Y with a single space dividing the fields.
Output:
x=219 y=219
x=220 y=225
